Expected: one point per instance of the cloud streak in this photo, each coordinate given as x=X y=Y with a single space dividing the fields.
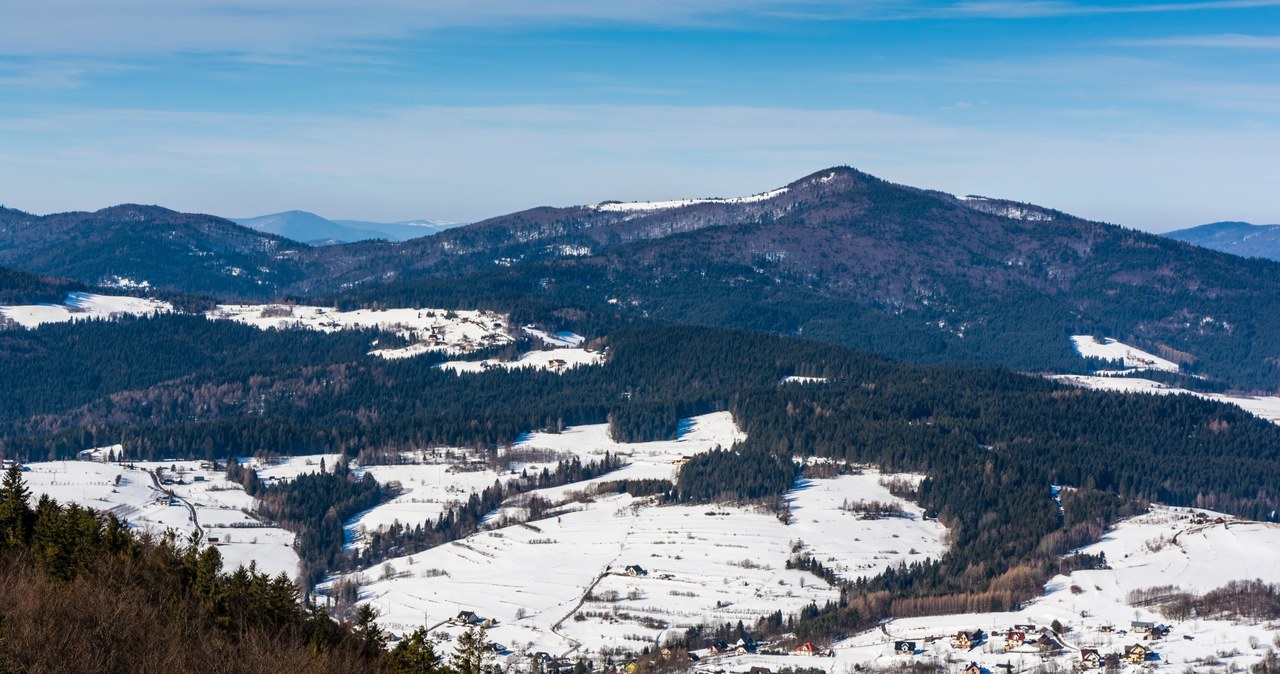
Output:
x=275 y=27
x=1218 y=41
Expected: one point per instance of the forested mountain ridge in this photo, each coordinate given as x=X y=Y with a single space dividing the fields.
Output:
x=131 y=244
x=1237 y=238
x=839 y=256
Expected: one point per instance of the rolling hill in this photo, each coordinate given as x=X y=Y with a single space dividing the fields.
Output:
x=1237 y=238
x=839 y=256
x=149 y=246
x=314 y=229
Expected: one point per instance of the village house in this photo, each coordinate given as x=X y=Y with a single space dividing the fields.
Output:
x=635 y=570
x=1141 y=627
x=1136 y=654
x=966 y=640
x=973 y=668
x=807 y=648
x=904 y=647
x=1014 y=639
x=1048 y=644
x=1090 y=658
x=465 y=618
x=718 y=647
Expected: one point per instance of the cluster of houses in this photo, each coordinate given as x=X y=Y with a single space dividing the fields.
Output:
x=1046 y=641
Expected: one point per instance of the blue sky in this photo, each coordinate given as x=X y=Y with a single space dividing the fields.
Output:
x=1155 y=115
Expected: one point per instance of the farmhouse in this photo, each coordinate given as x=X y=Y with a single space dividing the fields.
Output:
x=1136 y=654
x=635 y=570
x=973 y=668
x=966 y=640
x=465 y=618
x=1047 y=643
x=904 y=647
x=718 y=647
x=1014 y=639
x=1090 y=658
x=807 y=648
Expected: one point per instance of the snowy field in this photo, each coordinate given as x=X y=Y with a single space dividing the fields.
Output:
x=555 y=360
x=435 y=480
x=428 y=330
x=1132 y=357
x=82 y=307
x=561 y=584
x=1266 y=407
x=643 y=206
x=203 y=500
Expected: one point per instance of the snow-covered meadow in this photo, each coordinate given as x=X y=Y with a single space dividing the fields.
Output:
x=202 y=500
x=427 y=330
x=563 y=583
x=1266 y=407
x=80 y=306
x=1132 y=358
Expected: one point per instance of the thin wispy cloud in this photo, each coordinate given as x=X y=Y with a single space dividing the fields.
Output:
x=1220 y=41
x=1017 y=9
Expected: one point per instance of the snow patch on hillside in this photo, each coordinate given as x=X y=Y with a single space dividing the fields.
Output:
x=429 y=330
x=634 y=206
x=202 y=500
x=1266 y=407
x=556 y=360
x=557 y=339
x=1109 y=349
x=81 y=306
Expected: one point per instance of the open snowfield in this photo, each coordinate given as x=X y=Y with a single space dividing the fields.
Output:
x=1163 y=547
x=643 y=206
x=82 y=307
x=556 y=339
x=1132 y=357
x=203 y=500
x=560 y=584
x=429 y=330
x=437 y=479
x=555 y=360
x=1266 y=407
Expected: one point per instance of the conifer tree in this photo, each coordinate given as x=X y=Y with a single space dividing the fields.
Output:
x=473 y=654
x=415 y=654
x=16 y=517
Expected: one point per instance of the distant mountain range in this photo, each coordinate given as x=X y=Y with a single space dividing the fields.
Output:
x=1237 y=238
x=838 y=256
x=313 y=229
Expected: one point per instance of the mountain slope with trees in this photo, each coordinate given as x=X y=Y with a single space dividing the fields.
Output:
x=1237 y=238
x=839 y=256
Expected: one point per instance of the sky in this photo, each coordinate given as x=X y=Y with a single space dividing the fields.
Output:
x=1156 y=115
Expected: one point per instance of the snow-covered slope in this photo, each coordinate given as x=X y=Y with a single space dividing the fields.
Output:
x=634 y=206
x=1132 y=357
x=1266 y=407
x=1175 y=547
x=81 y=306
x=562 y=583
x=428 y=330
x=202 y=500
